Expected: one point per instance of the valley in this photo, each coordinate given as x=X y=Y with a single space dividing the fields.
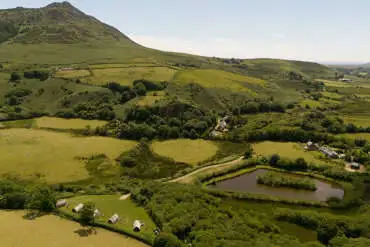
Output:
x=185 y=150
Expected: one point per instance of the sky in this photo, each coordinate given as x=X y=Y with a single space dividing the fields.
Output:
x=328 y=31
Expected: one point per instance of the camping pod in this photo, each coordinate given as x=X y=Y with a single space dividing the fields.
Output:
x=77 y=208
x=137 y=226
x=97 y=213
x=114 y=219
x=61 y=203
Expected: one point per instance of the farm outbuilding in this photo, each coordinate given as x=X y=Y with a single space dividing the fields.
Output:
x=137 y=226
x=61 y=203
x=78 y=208
x=114 y=219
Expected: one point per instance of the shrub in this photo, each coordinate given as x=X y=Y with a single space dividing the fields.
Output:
x=166 y=240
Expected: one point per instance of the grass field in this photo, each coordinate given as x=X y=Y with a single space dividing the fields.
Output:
x=365 y=136
x=73 y=73
x=60 y=123
x=331 y=95
x=289 y=150
x=184 y=150
x=311 y=103
x=53 y=231
x=27 y=152
x=126 y=209
x=329 y=83
x=126 y=76
x=151 y=98
x=210 y=78
x=360 y=120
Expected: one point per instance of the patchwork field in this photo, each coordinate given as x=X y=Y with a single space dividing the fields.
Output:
x=60 y=123
x=30 y=152
x=151 y=98
x=359 y=120
x=289 y=150
x=53 y=231
x=218 y=79
x=365 y=136
x=185 y=150
x=310 y=103
x=73 y=73
x=126 y=209
x=126 y=76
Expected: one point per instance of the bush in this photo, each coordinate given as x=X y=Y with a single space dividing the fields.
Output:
x=166 y=240
x=42 y=199
x=248 y=152
x=14 y=77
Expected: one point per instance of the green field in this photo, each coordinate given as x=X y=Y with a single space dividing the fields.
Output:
x=151 y=98
x=126 y=76
x=53 y=231
x=359 y=120
x=126 y=209
x=218 y=79
x=365 y=136
x=311 y=103
x=285 y=149
x=54 y=156
x=185 y=150
x=72 y=73
x=60 y=123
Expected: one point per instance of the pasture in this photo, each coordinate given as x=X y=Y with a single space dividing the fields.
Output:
x=53 y=231
x=359 y=120
x=184 y=150
x=311 y=103
x=53 y=156
x=72 y=73
x=61 y=123
x=151 y=98
x=355 y=136
x=126 y=76
x=288 y=150
x=210 y=78
x=126 y=209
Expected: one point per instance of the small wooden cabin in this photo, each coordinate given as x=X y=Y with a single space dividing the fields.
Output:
x=78 y=208
x=114 y=219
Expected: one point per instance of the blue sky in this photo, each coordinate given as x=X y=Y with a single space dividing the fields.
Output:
x=315 y=30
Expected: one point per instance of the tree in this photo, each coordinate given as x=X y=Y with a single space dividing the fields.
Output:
x=248 y=152
x=166 y=240
x=140 y=89
x=274 y=159
x=326 y=232
x=41 y=198
x=15 y=77
x=301 y=164
x=87 y=213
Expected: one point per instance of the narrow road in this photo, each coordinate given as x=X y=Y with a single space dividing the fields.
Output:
x=189 y=178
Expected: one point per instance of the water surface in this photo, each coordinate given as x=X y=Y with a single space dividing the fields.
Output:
x=248 y=183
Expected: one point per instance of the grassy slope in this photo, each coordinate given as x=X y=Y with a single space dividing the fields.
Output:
x=60 y=123
x=187 y=151
x=126 y=209
x=53 y=231
x=56 y=160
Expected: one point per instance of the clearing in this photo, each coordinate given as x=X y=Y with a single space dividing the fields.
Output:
x=185 y=150
x=72 y=73
x=359 y=120
x=53 y=231
x=61 y=123
x=210 y=78
x=355 y=136
x=53 y=155
x=289 y=150
x=126 y=209
x=151 y=98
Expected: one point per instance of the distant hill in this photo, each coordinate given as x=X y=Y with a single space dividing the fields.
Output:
x=57 y=23
x=62 y=34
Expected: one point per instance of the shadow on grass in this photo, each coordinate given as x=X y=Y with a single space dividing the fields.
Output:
x=34 y=215
x=85 y=232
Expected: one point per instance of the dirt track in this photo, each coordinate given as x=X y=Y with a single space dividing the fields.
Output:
x=189 y=178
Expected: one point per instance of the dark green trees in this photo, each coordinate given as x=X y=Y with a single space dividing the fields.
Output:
x=87 y=213
x=166 y=240
x=42 y=199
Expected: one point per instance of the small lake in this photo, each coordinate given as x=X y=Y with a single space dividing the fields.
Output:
x=248 y=183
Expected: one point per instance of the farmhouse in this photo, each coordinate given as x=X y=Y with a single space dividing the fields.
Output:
x=329 y=152
x=114 y=219
x=78 y=208
x=310 y=146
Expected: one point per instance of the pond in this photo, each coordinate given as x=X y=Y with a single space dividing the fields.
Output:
x=248 y=183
